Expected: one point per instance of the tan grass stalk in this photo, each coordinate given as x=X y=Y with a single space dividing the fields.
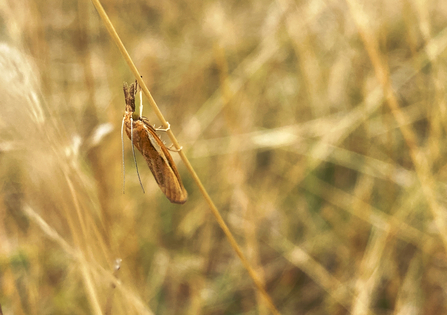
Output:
x=383 y=76
x=91 y=268
x=185 y=160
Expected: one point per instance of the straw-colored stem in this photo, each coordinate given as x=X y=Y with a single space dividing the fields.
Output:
x=188 y=165
x=382 y=73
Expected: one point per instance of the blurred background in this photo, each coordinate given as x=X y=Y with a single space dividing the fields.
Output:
x=317 y=127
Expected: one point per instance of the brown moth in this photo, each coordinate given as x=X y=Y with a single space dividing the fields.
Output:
x=144 y=137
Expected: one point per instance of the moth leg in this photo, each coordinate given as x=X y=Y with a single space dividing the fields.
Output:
x=174 y=149
x=141 y=103
x=164 y=129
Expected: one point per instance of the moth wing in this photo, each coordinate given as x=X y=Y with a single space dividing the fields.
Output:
x=163 y=168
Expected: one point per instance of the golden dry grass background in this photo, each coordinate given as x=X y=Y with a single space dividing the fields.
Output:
x=287 y=111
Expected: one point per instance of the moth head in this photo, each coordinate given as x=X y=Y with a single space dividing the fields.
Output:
x=129 y=96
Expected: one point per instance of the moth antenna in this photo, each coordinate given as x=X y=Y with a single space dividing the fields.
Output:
x=133 y=153
x=141 y=103
x=122 y=150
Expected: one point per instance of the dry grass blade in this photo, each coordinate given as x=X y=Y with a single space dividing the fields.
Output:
x=185 y=160
x=90 y=268
x=383 y=76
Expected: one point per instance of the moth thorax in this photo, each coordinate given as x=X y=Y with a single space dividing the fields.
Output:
x=135 y=116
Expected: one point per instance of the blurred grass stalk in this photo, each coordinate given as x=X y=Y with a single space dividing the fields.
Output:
x=417 y=156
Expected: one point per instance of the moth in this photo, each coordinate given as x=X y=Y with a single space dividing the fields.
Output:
x=144 y=137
